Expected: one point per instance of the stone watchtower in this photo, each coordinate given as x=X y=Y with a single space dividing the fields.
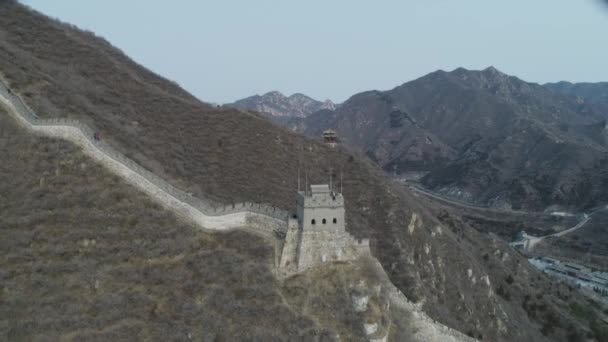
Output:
x=322 y=208
x=317 y=232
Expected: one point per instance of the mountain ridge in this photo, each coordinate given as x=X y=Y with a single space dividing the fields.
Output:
x=275 y=105
x=468 y=129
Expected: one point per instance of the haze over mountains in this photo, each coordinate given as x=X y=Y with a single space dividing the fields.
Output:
x=86 y=257
x=480 y=136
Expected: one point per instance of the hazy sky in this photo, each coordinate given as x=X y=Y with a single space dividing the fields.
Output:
x=225 y=50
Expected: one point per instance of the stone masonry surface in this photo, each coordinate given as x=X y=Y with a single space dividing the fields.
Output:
x=317 y=233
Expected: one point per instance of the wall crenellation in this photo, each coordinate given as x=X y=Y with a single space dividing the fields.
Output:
x=201 y=210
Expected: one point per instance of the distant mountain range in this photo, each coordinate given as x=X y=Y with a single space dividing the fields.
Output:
x=481 y=136
x=280 y=108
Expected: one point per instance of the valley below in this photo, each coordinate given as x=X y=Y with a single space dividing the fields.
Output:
x=577 y=239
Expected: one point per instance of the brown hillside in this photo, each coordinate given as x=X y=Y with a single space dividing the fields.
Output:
x=71 y=269
x=230 y=155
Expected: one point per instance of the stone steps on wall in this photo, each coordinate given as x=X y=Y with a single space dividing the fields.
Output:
x=202 y=212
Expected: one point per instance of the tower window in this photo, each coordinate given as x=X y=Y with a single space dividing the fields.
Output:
x=313 y=221
x=324 y=221
x=335 y=220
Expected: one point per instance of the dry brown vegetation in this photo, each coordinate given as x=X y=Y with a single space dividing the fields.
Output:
x=84 y=256
x=230 y=155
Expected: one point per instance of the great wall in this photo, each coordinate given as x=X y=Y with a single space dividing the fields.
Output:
x=261 y=219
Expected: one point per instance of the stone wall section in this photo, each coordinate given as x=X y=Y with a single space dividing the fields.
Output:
x=423 y=327
x=427 y=328
x=318 y=247
x=289 y=260
x=260 y=218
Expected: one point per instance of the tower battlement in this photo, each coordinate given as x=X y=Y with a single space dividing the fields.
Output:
x=320 y=196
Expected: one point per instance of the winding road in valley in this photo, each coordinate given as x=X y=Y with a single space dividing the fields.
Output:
x=419 y=189
x=530 y=241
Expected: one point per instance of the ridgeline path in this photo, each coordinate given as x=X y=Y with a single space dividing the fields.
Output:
x=258 y=218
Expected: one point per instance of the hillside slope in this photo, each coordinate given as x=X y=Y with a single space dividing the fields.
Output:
x=229 y=155
x=480 y=136
x=84 y=256
x=119 y=256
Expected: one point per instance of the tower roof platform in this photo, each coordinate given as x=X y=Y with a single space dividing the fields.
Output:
x=319 y=189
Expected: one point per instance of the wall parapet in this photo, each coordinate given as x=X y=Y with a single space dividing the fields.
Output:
x=204 y=206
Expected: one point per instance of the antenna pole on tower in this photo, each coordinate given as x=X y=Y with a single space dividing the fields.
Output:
x=331 y=186
x=341 y=176
x=306 y=183
x=298 y=179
